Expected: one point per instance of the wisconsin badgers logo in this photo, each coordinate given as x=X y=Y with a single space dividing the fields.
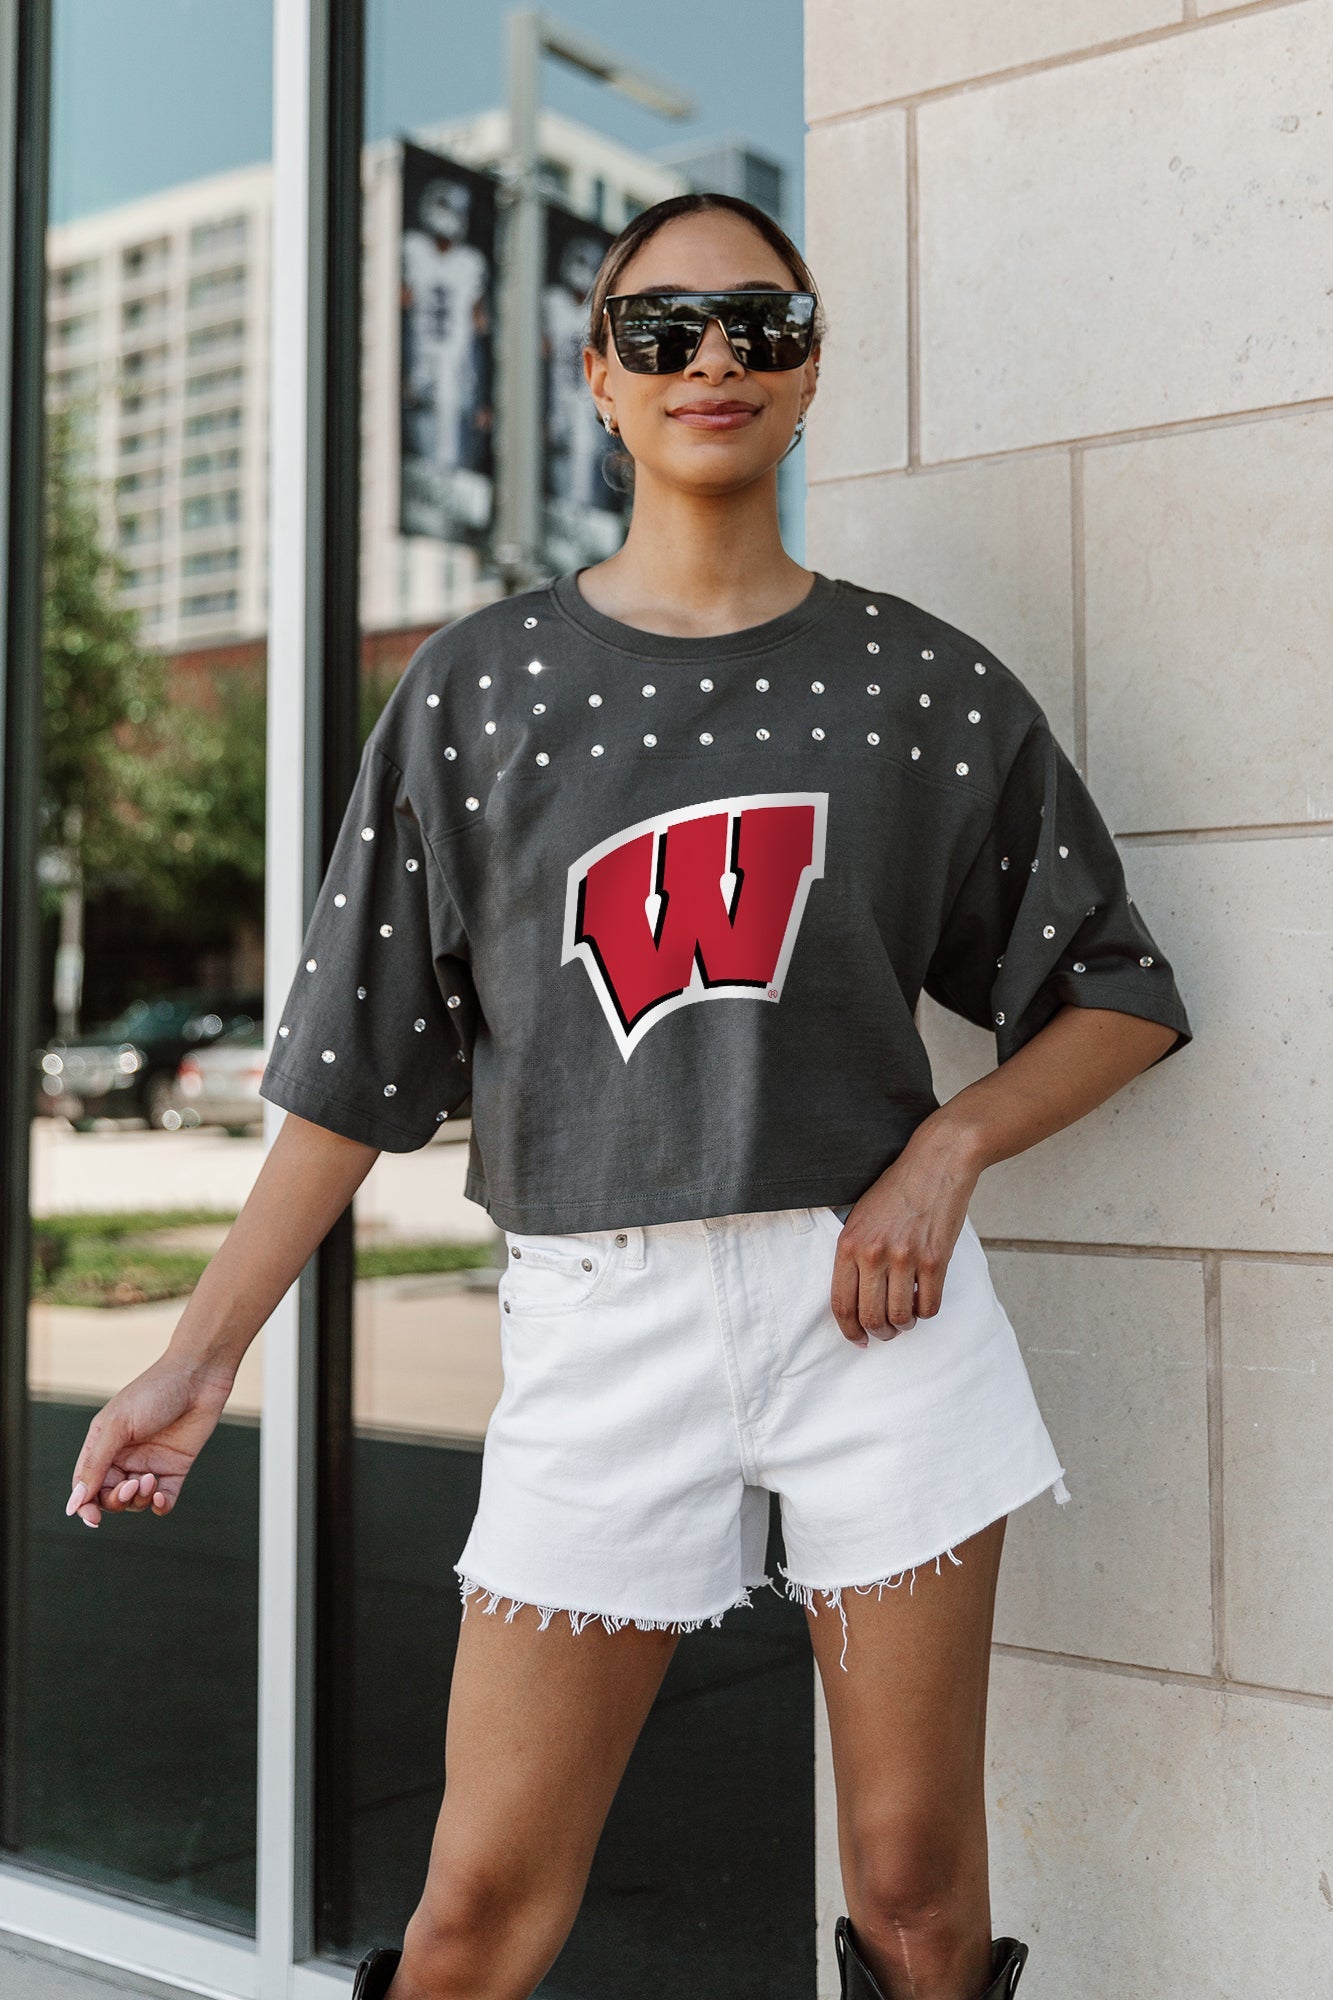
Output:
x=699 y=904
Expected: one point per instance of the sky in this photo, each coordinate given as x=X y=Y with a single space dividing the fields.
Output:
x=148 y=93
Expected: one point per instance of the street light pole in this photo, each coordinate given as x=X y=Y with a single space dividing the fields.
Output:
x=518 y=441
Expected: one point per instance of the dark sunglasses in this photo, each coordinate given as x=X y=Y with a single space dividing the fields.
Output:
x=659 y=333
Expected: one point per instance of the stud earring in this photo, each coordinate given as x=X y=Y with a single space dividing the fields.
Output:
x=609 y=423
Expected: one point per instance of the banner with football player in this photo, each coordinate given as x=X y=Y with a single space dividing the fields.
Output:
x=584 y=516
x=447 y=307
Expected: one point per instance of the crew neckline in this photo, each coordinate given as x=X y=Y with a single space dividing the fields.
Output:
x=748 y=639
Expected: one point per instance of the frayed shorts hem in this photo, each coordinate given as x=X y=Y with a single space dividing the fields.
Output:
x=611 y=1621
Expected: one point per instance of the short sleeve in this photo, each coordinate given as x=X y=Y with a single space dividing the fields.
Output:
x=375 y=1038
x=1043 y=917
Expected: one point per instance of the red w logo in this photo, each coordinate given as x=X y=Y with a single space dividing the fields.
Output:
x=699 y=904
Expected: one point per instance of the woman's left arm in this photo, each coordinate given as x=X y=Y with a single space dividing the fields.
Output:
x=900 y=1235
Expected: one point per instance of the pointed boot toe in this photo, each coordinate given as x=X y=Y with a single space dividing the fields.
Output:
x=1007 y=1954
x=374 y=1973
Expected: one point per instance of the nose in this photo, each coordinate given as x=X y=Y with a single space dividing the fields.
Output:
x=716 y=358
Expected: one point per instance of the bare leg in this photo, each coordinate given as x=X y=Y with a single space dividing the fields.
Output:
x=541 y=1725
x=908 y=1725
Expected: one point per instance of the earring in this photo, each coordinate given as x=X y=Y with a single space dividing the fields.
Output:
x=609 y=423
x=796 y=437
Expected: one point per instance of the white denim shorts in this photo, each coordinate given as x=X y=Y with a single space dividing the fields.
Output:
x=662 y=1379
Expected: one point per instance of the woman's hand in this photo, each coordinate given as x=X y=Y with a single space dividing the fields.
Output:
x=897 y=1240
x=141 y=1444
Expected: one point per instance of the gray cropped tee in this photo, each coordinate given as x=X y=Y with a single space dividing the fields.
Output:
x=656 y=913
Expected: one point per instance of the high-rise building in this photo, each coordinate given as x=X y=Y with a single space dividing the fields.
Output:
x=158 y=323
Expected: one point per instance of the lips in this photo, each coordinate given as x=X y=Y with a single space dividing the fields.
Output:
x=714 y=416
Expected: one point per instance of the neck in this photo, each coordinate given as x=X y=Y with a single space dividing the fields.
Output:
x=697 y=565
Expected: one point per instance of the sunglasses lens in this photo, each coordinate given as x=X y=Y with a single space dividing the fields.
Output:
x=658 y=333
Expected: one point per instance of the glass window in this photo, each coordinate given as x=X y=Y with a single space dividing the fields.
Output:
x=130 y=1757
x=704 y=1879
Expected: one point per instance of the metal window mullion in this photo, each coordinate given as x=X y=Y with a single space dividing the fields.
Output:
x=294 y=816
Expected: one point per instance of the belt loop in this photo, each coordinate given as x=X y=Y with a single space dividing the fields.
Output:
x=801 y=1219
x=635 y=1249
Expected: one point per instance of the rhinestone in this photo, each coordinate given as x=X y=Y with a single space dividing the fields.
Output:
x=453 y=1001
x=386 y=930
x=284 y=1032
x=1064 y=853
x=360 y=992
x=1000 y=959
x=915 y=753
x=705 y=737
x=472 y=804
x=762 y=686
x=411 y=866
x=818 y=735
x=490 y=729
x=707 y=686
x=539 y=708
x=534 y=666
x=310 y=964
x=872 y=738
x=367 y=833
x=999 y=1020
x=420 y=1026
x=338 y=902
x=391 y=1090
x=872 y=611
x=529 y=623
x=925 y=701
x=974 y=715
x=594 y=701
x=542 y=757
x=651 y=741
x=328 y=1055
x=650 y=689
x=1079 y=966
x=439 y=1115
x=1146 y=961
x=1033 y=869
x=978 y=669
x=961 y=769
x=485 y=681
x=1048 y=930
x=597 y=749
x=1092 y=908
x=450 y=752
x=432 y=701
x=872 y=647
x=1005 y=862
x=872 y=687
x=816 y=687
x=762 y=734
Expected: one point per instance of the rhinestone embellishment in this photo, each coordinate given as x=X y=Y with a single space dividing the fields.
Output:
x=762 y=686
x=762 y=734
x=872 y=738
x=1048 y=930
x=432 y=701
x=485 y=681
x=310 y=964
x=974 y=715
x=961 y=769
x=338 y=902
x=367 y=833
x=704 y=737
x=1146 y=961
x=386 y=930
x=707 y=686
x=925 y=701
x=594 y=701
x=542 y=757
x=872 y=611
x=872 y=646
x=650 y=741
x=472 y=804
x=816 y=687
x=650 y=689
x=597 y=749
x=328 y=1055
x=818 y=735
x=1079 y=966
x=529 y=623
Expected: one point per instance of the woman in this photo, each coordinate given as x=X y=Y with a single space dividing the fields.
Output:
x=645 y=871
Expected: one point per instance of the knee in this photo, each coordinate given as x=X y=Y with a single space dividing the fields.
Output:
x=911 y=1871
x=472 y=1919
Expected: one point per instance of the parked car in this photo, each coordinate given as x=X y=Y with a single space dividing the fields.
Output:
x=219 y=1085
x=127 y=1068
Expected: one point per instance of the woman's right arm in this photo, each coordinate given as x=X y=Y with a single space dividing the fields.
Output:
x=141 y=1444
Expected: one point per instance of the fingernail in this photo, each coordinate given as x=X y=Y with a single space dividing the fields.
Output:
x=86 y=1522
x=76 y=1498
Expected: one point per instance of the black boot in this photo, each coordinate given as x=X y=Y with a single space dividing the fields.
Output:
x=859 y=1982
x=374 y=1973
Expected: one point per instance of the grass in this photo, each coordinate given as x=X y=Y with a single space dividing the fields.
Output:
x=99 y=1258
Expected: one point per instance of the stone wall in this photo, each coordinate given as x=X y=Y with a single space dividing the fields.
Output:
x=1078 y=398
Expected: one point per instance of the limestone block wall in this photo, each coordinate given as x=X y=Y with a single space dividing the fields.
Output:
x=1078 y=398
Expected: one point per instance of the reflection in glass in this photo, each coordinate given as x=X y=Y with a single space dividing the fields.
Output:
x=704 y=1879
x=133 y=1763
